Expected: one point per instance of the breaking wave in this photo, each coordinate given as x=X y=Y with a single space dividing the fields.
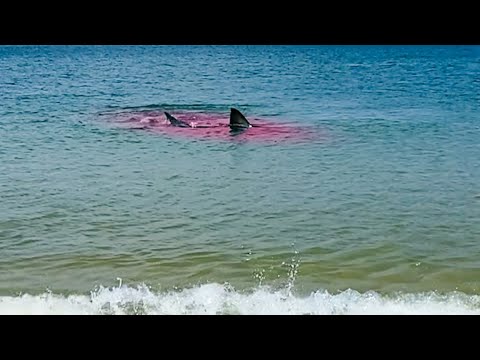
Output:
x=222 y=299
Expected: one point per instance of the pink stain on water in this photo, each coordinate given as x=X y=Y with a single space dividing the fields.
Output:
x=215 y=126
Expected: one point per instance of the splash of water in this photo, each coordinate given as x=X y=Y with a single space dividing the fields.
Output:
x=224 y=299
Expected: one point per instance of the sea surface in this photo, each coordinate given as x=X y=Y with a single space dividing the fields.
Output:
x=378 y=214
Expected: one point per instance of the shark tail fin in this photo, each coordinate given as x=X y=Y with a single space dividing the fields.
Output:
x=175 y=122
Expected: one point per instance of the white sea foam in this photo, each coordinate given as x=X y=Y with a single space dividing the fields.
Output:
x=222 y=299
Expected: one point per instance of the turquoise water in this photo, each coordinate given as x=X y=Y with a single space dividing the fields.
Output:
x=379 y=215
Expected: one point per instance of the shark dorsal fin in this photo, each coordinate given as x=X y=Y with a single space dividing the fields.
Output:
x=237 y=119
x=176 y=122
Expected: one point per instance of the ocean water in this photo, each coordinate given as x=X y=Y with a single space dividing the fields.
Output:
x=378 y=214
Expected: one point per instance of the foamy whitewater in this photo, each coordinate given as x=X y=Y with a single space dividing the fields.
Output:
x=355 y=191
x=218 y=299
